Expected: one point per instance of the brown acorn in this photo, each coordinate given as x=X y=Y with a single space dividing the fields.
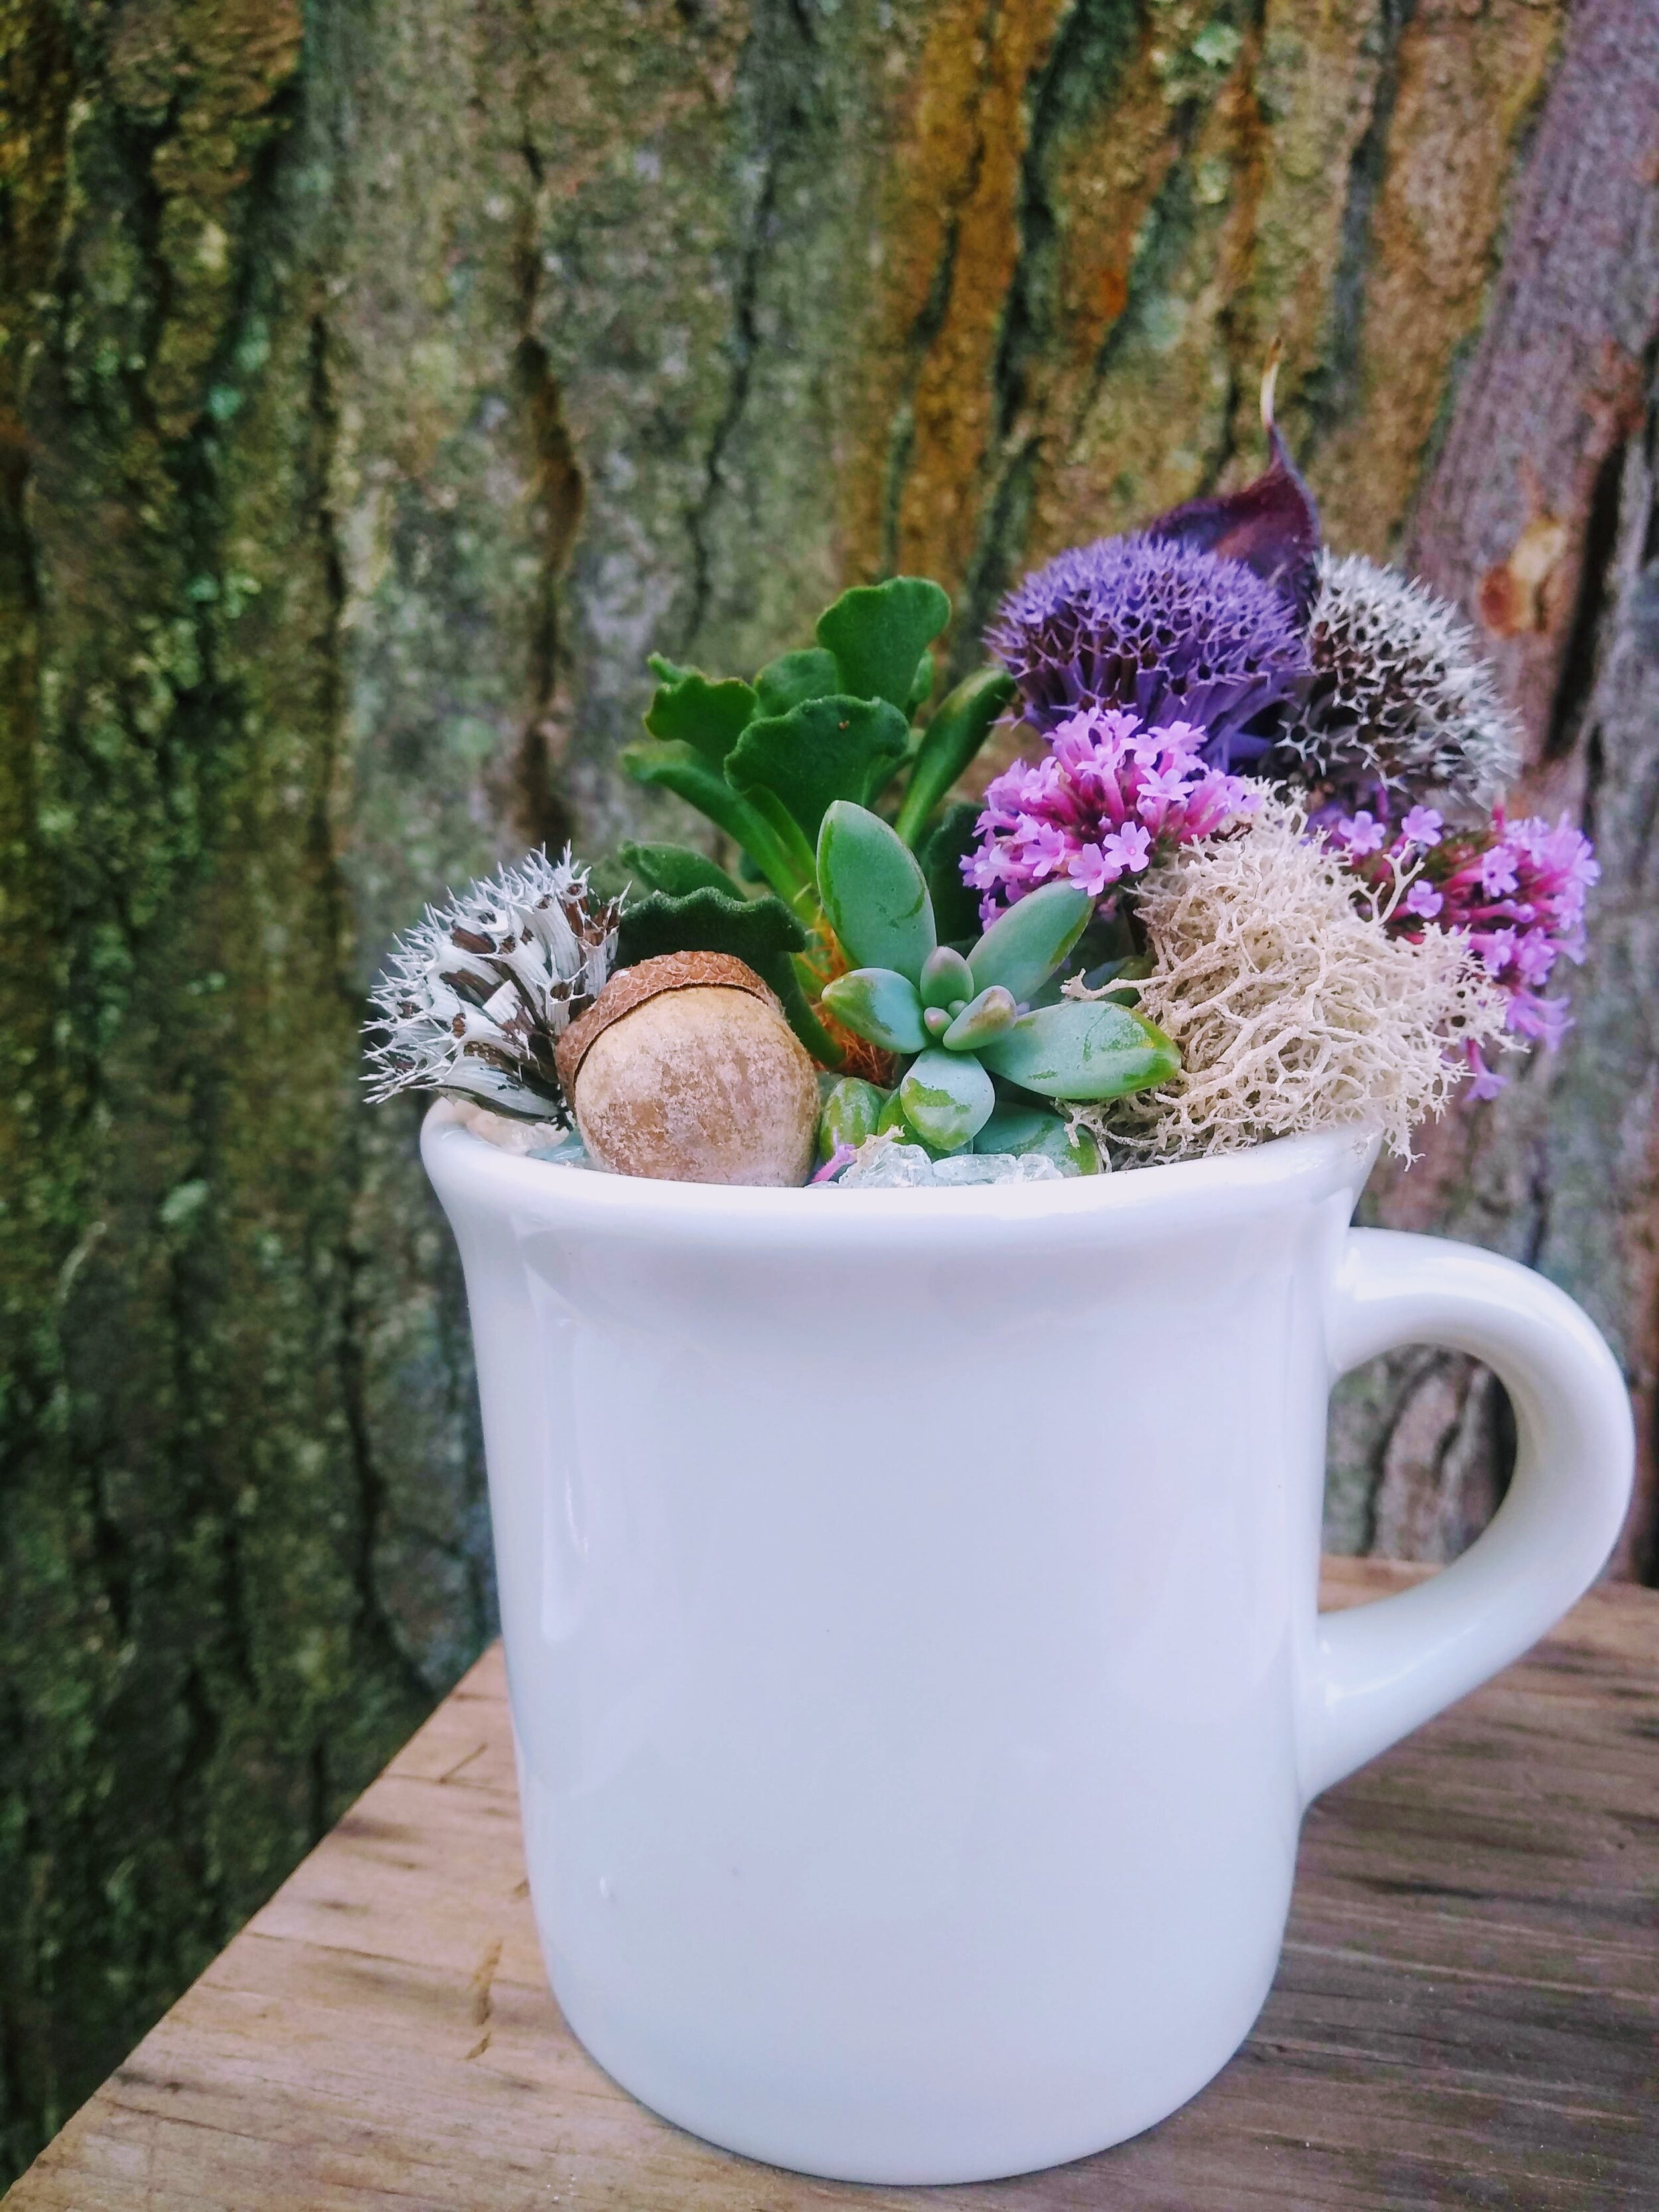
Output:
x=685 y=1069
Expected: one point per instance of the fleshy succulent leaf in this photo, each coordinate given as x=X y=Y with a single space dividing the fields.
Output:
x=945 y=977
x=892 y=1117
x=821 y=751
x=1022 y=948
x=947 y=1097
x=1272 y=525
x=850 y=1112
x=678 y=769
x=792 y=677
x=1020 y=1129
x=878 y=632
x=874 y=892
x=1082 y=1049
x=879 y=1004
x=674 y=869
x=921 y=684
x=951 y=740
x=956 y=909
x=762 y=932
x=691 y=710
x=982 y=1018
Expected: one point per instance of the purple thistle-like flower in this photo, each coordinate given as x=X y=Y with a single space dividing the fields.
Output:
x=1110 y=794
x=1515 y=890
x=1160 y=627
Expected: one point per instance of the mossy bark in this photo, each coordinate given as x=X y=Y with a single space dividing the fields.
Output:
x=378 y=385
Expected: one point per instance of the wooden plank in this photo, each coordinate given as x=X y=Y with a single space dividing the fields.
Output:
x=1466 y=2012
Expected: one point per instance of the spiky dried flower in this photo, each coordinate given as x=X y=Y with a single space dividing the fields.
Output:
x=1401 y=703
x=1146 y=623
x=477 y=994
x=1294 y=1006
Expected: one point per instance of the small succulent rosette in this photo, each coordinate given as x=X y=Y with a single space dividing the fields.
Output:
x=1245 y=870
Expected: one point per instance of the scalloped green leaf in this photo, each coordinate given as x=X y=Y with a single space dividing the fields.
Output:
x=879 y=1004
x=792 y=677
x=821 y=751
x=691 y=710
x=1083 y=1050
x=922 y=686
x=1022 y=948
x=675 y=870
x=947 y=1098
x=872 y=891
x=761 y=932
x=678 y=769
x=878 y=632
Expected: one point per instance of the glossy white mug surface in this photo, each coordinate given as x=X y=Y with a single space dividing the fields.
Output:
x=910 y=1603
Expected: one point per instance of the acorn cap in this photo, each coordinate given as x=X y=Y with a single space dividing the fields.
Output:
x=632 y=987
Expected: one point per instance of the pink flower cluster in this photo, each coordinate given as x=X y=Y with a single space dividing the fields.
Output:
x=1108 y=794
x=1516 y=890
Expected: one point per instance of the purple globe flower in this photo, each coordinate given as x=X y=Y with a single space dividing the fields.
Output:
x=1162 y=628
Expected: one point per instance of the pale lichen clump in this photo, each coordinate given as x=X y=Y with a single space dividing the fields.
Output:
x=1293 y=1007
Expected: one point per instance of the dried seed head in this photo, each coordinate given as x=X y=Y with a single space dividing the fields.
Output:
x=1401 y=701
x=476 y=997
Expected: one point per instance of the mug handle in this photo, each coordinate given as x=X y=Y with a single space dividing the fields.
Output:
x=1380 y=1670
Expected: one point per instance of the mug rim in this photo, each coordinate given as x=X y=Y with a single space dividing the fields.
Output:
x=467 y=1168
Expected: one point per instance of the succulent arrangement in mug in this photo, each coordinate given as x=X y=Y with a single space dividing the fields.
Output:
x=1245 y=870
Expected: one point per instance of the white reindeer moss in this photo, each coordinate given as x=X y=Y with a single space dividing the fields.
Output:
x=1293 y=1008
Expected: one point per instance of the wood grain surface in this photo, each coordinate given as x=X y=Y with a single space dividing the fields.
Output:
x=1466 y=2012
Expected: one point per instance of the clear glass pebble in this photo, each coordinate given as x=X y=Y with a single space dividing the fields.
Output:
x=882 y=1163
x=998 y=1167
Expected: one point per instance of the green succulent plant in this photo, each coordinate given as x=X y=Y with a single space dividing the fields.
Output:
x=965 y=1021
x=842 y=721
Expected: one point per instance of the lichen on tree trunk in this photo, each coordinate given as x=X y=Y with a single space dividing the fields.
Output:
x=378 y=385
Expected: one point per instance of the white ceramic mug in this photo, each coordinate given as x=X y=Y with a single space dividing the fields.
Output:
x=910 y=1601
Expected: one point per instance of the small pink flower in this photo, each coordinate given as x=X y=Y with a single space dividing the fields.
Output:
x=1043 y=848
x=1483 y=1082
x=1108 y=794
x=1496 y=948
x=1534 y=957
x=1497 y=872
x=1516 y=890
x=1360 y=834
x=1090 y=868
x=1130 y=849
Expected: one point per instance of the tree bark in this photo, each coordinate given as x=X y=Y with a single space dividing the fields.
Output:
x=379 y=384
